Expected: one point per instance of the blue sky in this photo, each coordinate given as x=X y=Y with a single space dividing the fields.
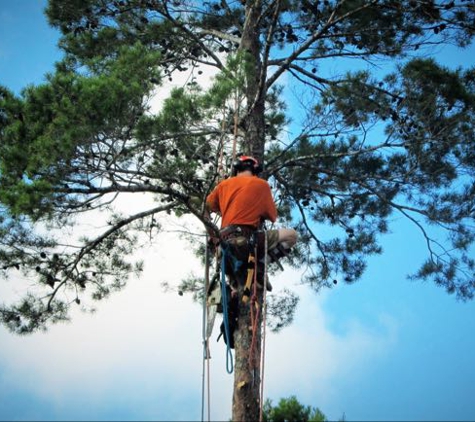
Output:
x=384 y=348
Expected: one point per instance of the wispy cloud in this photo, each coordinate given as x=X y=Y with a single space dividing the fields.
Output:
x=148 y=343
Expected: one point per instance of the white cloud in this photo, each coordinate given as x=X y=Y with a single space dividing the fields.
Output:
x=307 y=358
x=150 y=342
x=180 y=79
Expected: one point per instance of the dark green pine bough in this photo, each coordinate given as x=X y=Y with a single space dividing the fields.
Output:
x=380 y=129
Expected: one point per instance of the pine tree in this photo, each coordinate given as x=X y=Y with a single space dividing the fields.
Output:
x=291 y=410
x=370 y=143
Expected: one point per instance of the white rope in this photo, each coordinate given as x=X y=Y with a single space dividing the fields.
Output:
x=205 y=337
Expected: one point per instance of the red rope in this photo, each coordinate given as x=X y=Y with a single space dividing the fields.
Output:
x=264 y=322
x=255 y=309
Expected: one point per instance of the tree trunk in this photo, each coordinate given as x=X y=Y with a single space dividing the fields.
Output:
x=246 y=396
x=253 y=120
x=247 y=382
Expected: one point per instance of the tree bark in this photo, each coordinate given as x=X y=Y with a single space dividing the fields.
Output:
x=247 y=381
x=254 y=119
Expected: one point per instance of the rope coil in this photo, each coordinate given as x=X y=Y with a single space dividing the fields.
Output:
x=224 y=295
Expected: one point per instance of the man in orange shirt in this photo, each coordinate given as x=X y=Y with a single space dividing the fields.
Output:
x=245 y=202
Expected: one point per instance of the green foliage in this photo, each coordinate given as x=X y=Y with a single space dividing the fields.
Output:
x=344 y=151
x=52 y=125
x=179 y=111
x=232 y=81
x=281 y=309
x=291 y=410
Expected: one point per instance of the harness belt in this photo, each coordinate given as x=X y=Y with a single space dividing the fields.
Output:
x=249 y=233
x=235 y=230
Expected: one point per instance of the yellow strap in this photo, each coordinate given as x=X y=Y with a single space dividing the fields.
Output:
x=250 y=276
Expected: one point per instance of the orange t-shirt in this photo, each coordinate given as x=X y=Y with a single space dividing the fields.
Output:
x=243 y=200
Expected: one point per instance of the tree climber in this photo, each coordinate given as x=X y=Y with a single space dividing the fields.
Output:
x=245 y=202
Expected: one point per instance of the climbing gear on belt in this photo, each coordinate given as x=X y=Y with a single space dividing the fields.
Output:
x=232 y=319
x=233 y=231
x=241 y=264
x=251 y=266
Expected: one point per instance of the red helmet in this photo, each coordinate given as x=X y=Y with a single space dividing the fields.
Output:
x=246 y=162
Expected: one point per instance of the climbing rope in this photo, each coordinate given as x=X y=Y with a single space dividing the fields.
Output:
x=205 y=380
x=221 y=173
x=264 y=321
x=255 y=314
x=206 y=351
x=236 y=122
x=254 y=309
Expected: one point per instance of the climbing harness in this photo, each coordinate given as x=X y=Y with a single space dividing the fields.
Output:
x=256 y=363
x=238 y=258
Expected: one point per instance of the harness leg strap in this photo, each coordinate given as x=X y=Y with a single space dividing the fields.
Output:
x=250 y=275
